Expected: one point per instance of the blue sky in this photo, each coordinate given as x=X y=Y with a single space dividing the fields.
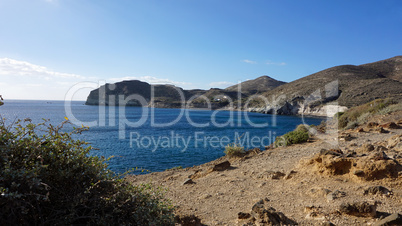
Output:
x=49 y=46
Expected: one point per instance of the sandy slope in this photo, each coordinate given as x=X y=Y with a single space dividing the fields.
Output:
x=217 y=197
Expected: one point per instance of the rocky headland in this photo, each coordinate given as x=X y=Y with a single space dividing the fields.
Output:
x=170 y=96
x=321 y=94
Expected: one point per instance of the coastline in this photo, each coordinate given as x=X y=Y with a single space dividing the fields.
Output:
x=217 y=197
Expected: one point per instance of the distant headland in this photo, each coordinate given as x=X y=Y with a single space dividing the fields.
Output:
x=329 y=90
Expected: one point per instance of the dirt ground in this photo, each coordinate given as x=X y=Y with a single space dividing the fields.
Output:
x=301 y=181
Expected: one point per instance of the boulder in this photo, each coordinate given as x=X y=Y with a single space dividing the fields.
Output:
x=336 y=152
x=359 y=209
x=242 y=215
x=395 y=143
x=365 y=148
x=263 y=215
x=332 y=165
x=346 y=137
x=390 y=125
x=188 y=181
x=360 y=130
x=188 y=220
x=274 y=175
x=380 y=130
x=377 y=190
x=372 y=124
x=221 y=166
x=378 y=155
x=314 y=213
x=327 y=223
x=289 y=175
x=380 y=148
x=318 y=192
x=269 y=216
x=374 y=170
x=335 y=195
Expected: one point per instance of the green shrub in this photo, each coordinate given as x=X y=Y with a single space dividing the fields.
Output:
x=303 y=128
x=390 y=109
x=234 y=149
x=358 y=115
x=352 y=125
x=48 y=178
x=297 y=136
x=338 y=115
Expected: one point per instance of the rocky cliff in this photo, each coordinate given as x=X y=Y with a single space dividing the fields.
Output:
x=138 y=93
x=334 y=89
x=323 y=93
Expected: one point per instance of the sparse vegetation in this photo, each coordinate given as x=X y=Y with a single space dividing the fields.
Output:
x=297 y=136
x=47 y=178
x=321 y=128
x=359 y=115
x=390 y=109
x=234 y=149
x=338 y=115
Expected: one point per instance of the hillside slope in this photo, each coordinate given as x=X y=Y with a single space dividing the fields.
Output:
x=169 y=96
x=255 y=86
x=110 y=94
x=323 y=93
x=346 y=85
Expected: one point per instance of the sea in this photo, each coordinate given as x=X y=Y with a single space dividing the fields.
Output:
x=145 y=140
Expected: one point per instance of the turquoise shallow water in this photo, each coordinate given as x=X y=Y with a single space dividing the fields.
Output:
x=157 y=139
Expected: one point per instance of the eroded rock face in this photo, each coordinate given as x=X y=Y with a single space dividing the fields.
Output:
x=376 y=165
x=395 y=143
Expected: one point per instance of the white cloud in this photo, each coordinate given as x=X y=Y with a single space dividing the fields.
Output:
x=13 y=67
x=249 y=61
x=24 y=80
x=275 y=63
x=32 y=85
x=154 y=80
x=222 y=84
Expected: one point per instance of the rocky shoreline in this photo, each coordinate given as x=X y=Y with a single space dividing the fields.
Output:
x=353 y=177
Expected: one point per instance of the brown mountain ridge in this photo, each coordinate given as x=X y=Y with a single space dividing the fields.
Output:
x=321 y=93
x=170 y=96
x=255 y=86
x=345 y=85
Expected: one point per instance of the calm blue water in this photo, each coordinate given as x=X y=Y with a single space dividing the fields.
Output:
x=158 y=139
